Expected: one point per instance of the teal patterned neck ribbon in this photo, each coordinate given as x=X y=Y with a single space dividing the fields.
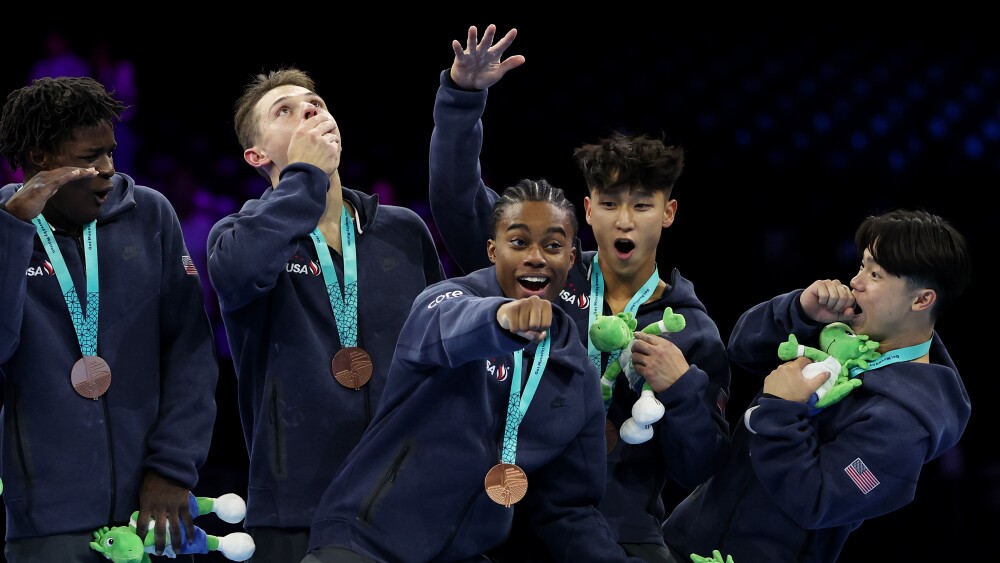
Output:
x=518 y=403
x=345 y=307
x=85 y=324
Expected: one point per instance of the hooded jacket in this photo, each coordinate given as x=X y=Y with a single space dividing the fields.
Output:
x=640 y=475
x=299 y=423
x=440 y=428
x=74 y=464
x=797 y=485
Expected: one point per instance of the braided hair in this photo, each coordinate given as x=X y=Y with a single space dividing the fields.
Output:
x=533 y=190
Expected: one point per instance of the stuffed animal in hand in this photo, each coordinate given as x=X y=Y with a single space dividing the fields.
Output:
x=611 y=333
x=716 y=558
x=840 y=349
x=121 y=544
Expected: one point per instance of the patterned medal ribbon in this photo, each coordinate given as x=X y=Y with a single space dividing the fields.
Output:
x=91 y=375
x=352 y=367
x=506 y=483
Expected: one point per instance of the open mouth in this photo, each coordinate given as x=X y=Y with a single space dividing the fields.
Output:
x=624 y=247
x=102 y=196
x=533 y=284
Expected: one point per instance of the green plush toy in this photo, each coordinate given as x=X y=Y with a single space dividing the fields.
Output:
x=716 y=558
x=611 y=333
x=121 y=544
x=840 y=349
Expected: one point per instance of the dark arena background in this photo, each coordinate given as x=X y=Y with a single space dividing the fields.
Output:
x=793 y=134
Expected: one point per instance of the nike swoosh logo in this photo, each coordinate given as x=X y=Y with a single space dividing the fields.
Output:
x=558 y=402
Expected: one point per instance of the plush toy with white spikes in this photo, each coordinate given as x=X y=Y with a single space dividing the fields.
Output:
x=121 y=544
x=615 y=332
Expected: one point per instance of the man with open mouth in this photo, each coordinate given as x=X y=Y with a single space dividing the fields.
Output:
x=109 y=394
x=630 y=179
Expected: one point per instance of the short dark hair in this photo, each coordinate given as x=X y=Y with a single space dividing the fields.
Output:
x=533 y=190
x=921 y=247
x=48 y=112
x=630 y=161
x=244 y=120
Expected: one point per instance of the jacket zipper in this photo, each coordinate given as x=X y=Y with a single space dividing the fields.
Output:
x=387 y=480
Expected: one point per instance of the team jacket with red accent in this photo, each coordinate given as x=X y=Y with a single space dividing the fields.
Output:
x=70 y=463
x=691 y=438
x=299 y=423
x=797 y=485
x=413 y=489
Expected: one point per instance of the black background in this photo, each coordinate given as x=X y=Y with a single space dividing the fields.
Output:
x=793 y=133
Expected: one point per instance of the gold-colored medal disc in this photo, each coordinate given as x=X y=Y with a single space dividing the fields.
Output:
x=352 y=367
x=91 y=377
x=506 y=484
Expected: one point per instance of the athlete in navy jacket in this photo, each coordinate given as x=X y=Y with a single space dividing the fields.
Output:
x=299 y=422
x=415 y=488
x=796 y=483
x=76 y=461
x=689 y=440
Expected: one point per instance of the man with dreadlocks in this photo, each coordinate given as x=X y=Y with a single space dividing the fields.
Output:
x=106 y=348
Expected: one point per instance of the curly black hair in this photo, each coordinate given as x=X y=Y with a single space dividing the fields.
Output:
x=623 y=161
x=49 y=111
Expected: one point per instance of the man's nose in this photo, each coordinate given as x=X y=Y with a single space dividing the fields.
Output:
x=310 y=110
x=624 y=219
x=535 y=256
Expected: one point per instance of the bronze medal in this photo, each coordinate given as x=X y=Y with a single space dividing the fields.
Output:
x=506 y=484
x=610 y=435
x=352 y=367
x=91 y=377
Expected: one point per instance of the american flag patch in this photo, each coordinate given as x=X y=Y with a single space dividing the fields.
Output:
x=862 y=477
x=721 y=400
x=189 y=268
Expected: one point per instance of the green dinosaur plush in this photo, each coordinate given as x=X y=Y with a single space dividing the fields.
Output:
x=611 y=333
x=716 y=558
x=840 y=349
x=121 y=544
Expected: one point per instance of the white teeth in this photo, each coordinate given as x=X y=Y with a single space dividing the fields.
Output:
x=533 y=279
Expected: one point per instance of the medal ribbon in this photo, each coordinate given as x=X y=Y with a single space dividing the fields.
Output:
x=85 y=324
x=517 y=406
x=900 y=355
x=597 y=308
x=345 y=306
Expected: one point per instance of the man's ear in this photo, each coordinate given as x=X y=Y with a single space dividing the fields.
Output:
x=586 y=209
x=924 y=300
x=491 y=251
x=669 y=211
x=37 y=159
x=255 y=157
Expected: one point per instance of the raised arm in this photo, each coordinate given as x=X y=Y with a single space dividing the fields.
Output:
x=460 y=201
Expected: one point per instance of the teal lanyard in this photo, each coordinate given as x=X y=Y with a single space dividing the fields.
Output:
x=85 y=324
x=345 y=306
x=900 y=355
x=517 y=406
x=597 y=307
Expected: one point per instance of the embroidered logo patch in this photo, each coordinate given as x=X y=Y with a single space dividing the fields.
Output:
x=497 y=369
x=862 y=477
